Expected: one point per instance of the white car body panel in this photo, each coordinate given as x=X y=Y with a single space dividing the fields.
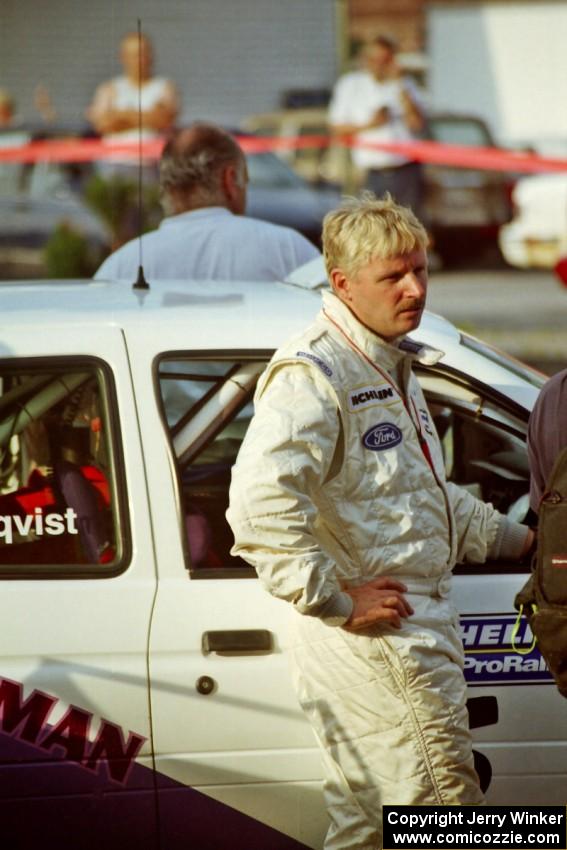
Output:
x=130 y=648
x=537 y=235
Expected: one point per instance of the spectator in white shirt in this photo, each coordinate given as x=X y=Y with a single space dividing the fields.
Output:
x=375 y=105
x=115 y=106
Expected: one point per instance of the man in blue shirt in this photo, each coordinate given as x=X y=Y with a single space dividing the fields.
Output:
x=205 y=235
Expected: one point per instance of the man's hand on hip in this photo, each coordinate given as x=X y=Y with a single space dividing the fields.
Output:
x=378 y=601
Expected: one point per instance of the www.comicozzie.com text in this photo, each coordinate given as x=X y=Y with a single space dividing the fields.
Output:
x=491 y=826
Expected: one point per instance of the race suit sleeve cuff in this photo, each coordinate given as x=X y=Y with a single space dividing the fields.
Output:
x=509 y=541
x=336 y=610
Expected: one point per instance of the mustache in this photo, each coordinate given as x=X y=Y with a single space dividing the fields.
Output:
x=412 y=304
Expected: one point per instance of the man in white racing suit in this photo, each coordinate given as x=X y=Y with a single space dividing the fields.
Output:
x=339 y=500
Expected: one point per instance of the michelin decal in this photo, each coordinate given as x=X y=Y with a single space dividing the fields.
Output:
x=363 y=397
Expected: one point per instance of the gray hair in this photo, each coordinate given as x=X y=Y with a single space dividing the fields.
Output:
x=191 y=165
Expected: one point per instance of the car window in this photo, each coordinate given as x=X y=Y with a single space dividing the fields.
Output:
x=58 y=470
x=455 y=131
x=482 y=457
x=208 y=407
x=12 y=173
x=11 y=179
x=484 y=447
x=265 y=169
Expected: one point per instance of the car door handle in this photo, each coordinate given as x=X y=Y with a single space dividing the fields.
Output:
x=238 y=641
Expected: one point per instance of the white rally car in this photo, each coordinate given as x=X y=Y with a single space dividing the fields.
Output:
x=145 y=699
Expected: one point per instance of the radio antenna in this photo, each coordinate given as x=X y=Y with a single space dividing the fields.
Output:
x=141 y=282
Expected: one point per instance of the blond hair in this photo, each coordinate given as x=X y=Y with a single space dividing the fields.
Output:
x=368 y=227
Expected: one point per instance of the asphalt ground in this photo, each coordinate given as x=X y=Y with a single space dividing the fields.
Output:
x=522 y=312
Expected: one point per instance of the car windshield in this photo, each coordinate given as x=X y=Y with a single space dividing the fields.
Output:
x=265 y=169
x=11 y=173
x=457 y=131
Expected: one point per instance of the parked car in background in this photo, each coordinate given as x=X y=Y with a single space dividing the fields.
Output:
x=42 y=212
x=57 y=213
x=464 y=207
x=537 y=235
x=278 y=194
x=79 y=211
x=317 y=158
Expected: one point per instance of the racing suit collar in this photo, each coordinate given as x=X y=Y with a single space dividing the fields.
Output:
x=373 y=345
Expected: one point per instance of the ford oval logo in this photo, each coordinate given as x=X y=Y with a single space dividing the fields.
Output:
x=381 y=437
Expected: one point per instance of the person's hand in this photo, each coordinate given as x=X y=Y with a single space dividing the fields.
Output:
x=378 y=601
x=380 y=117
x=405 y=97
x=529 y=544
x=394 y=71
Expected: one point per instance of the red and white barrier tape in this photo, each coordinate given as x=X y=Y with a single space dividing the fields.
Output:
x=437 y=153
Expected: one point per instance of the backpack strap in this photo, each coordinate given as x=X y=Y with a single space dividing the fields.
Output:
x=551 y=563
